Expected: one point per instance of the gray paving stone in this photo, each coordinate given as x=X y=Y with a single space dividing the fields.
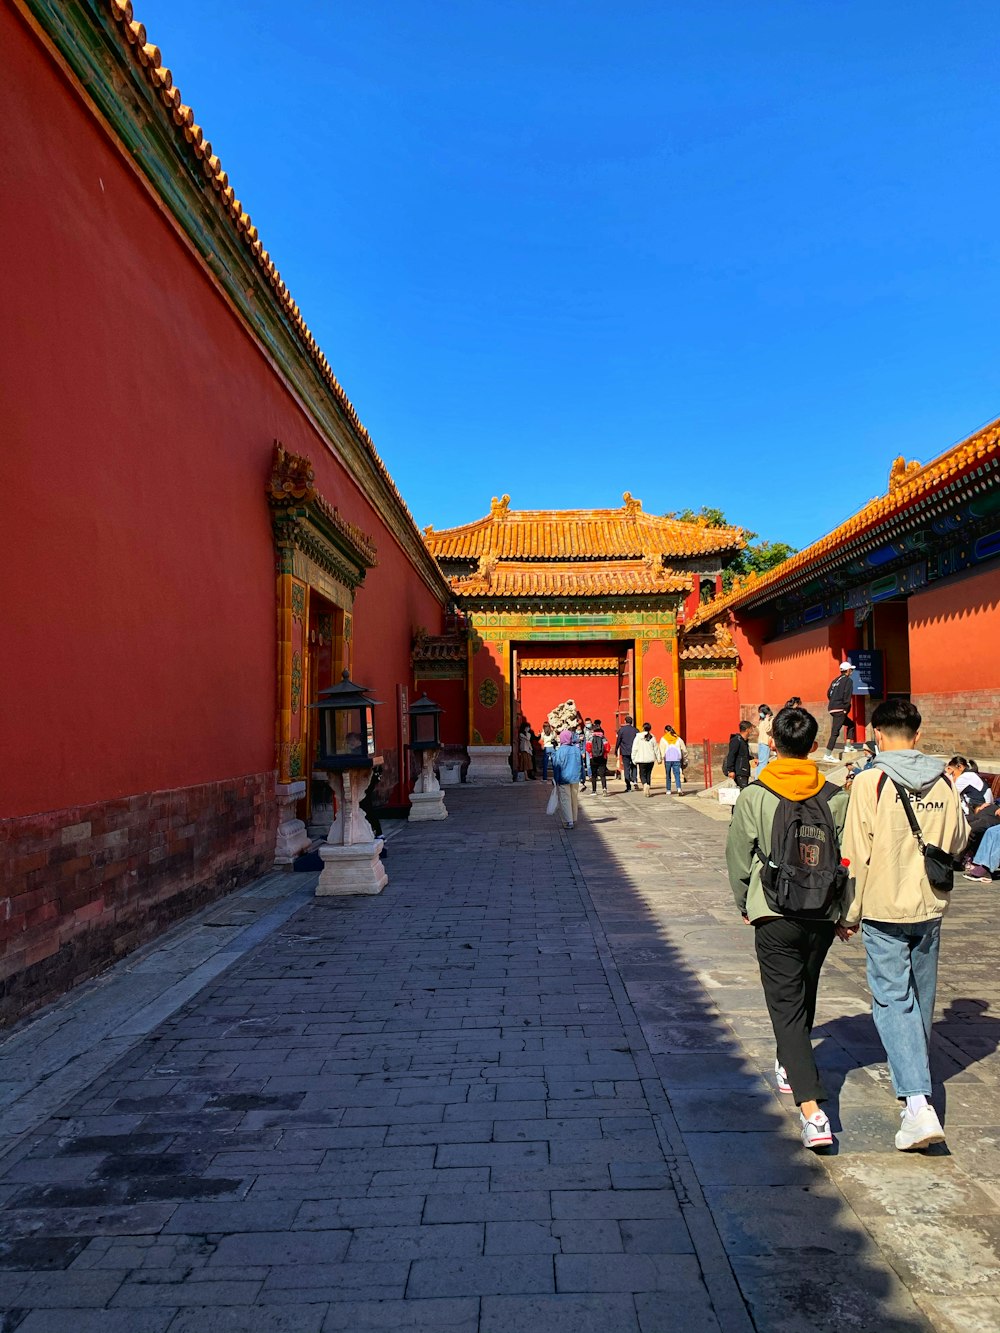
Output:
x=561 y=1314
x=281 y=1247
x=528 y=1205
x=71 y=1319
x=423 y=1316
x=591 y=1237
x=139 y=1293
x=416 y=1242
x=751 y=1159
x=616 y=1204
x=504 y=1154
x=484 y=1276
x=520 y=1238
x=626 y=1272
x=340 y=1213
x=246 y=1215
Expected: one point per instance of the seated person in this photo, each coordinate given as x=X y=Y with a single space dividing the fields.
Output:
x=982 y=819
x=987 y=858
x=970 y=786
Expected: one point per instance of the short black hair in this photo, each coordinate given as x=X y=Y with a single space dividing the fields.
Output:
x=628 y=720
x=794 y=732
x=597 y=721
x=898 y=717
x=746 y=726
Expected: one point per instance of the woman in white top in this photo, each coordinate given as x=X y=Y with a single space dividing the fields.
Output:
x=645 y=753
x=673 y=752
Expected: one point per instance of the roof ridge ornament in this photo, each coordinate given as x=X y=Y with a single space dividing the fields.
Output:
x=901 y=472
x=499 y=508
x=292 y=476
x=632 y=505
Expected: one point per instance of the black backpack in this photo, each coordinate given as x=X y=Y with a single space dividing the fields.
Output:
x=804 y=875
x=598 y=745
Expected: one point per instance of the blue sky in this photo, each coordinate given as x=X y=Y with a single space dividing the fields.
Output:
x=711 y=252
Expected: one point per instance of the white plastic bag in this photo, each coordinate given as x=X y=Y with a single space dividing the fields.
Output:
x=553 y=804
x=728 y=794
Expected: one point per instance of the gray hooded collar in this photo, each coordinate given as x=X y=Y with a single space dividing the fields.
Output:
x=910 y=768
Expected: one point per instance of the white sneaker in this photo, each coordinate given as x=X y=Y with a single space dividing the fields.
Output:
x=919 y=1131
x=816 y=1131
x=782 y=1077
x=828 y=758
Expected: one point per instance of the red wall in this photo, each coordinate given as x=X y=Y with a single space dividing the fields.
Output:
x=711 y=709
x=595 y=696
x=451 y=696
x=139 y=642
x=955 y=635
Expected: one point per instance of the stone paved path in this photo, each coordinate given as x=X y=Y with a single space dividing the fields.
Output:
x=523 y=1089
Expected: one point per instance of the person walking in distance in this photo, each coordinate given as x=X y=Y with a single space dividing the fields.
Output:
x=673 y=750
x=788 y=880
x=566 y=768
x=645 y=753
x=839 y=695
x=736 y=764
x=905 y=825
x=548 y=741
x=623 y=746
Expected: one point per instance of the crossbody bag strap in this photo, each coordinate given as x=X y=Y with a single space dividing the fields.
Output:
x=911 y=817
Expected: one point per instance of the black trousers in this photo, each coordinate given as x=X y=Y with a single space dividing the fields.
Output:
x=790 y=955
x=838 y=720
x=598 y=769
x=645 y=774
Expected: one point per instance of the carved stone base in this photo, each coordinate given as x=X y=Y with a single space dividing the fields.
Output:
x=350 y=869
x=427 y=805
x=292 y=836
x=489 y=765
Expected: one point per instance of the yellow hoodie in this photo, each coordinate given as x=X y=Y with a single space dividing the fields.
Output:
x=795 y=779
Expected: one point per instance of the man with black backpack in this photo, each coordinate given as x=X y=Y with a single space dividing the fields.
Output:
x=905 y=826
x=598 y=757
x=787 y=876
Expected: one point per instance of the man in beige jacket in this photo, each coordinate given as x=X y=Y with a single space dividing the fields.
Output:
x=895 y=904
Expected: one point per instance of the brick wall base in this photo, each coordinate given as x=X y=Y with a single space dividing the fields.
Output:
x=966 y=723
x=87 y=885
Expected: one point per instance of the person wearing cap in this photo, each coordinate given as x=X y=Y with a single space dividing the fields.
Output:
x=566 y=769
x=840 y=694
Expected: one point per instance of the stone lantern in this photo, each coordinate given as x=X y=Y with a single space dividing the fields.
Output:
x=347 y=752
x=427 y=798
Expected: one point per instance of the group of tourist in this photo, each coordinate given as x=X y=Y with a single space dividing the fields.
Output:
x=809 y=861
x=636 y=752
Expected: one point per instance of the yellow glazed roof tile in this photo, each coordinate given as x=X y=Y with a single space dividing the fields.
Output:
x=579 y=534
x=908 y=483
x=495 y=579
x=538 y=665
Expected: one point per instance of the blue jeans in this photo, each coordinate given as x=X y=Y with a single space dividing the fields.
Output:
x=988 y=852
x=902 y=977
x=763 y=756
x=546 y=756
x=673 y=766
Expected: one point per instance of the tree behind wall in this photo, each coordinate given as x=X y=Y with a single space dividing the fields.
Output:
x=758 y=557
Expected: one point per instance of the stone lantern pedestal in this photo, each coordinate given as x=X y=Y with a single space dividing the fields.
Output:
x=427 y=798
x=292 y=836
x=350 y=854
